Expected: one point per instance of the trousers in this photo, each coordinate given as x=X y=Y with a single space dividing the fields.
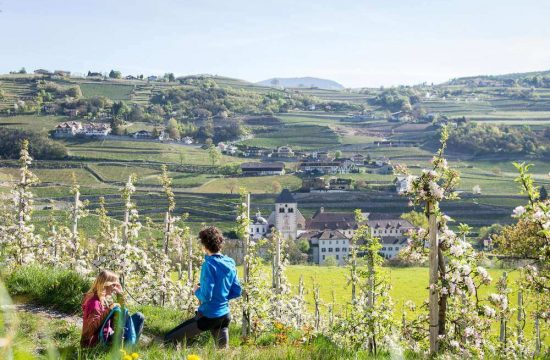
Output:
x=189 y=329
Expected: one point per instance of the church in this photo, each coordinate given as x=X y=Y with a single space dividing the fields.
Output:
x=328 y=233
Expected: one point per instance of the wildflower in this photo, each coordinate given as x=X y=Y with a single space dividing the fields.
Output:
x=193 y=357
x=135 y=356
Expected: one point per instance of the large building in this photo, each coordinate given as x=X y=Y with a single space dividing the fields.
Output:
x=262 y=168
x=328 y=233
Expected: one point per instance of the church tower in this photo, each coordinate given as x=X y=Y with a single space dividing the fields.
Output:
x=286 y=212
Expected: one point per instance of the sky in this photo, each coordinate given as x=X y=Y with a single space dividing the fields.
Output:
x=355 y=42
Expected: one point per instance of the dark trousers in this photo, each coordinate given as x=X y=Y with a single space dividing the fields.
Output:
x=189 y=329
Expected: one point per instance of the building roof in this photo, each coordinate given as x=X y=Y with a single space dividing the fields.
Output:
x=259 y=166
x=331 y=220
x=392 y=240
x=285 y=197
x=323 y=235
x=390 y=224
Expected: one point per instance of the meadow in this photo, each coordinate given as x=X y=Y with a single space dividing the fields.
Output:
x=109 y=90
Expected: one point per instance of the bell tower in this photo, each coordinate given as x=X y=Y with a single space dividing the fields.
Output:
x=286 y=209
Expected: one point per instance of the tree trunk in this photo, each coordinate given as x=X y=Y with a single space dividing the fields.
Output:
x=434 y=297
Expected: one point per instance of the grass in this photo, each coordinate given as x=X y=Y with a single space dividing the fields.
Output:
x=31 y=122
x=111 y=91
x=62 y=289
x=303 y=137
x=138 y=151
x=256 y=185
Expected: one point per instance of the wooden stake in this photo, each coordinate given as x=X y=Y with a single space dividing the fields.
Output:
x=434 y=297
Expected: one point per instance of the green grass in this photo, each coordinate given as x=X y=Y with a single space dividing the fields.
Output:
x=256 y=185
x=303 y=137
x=111 y=91
x=32 y=122
x=141 y=151
x=55 y=176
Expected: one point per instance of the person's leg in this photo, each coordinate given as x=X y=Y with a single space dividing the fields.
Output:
x=138 y=320
x=221 y=337
x=221 y=332
x=186 y=330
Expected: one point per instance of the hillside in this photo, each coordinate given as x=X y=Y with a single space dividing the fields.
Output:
x=302 y=82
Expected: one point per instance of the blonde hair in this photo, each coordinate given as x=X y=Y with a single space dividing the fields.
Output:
x=105 y=278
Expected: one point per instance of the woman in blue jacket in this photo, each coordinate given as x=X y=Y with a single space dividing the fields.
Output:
x=218 y=285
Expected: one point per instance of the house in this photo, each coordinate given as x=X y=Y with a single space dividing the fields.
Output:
x=358 y=159
x=402 y=116
x=327 y=243
x=253 y=151
x=337 y=166
x=227 y=148
x=71 y=112
x=67 y=129
x=62 y=73
x=314 y=184
x=130 y=77
x=42 y=72
x=402 y=184
x=152 y=78
x=259 y=227
x=391 y=246
x=285 y=152
x=188 y=140
x=340 y=184
x=262 y=168
x=96 y=130
x=143 y=134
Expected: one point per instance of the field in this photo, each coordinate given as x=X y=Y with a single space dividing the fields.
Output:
x=111 y=91
x=302 y=137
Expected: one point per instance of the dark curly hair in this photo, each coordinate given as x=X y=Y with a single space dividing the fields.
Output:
x=211 y=238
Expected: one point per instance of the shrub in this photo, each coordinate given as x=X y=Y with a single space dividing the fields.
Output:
x=60 y=289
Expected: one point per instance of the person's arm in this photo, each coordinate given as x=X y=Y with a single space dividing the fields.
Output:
x=205 y=291
x=96 y=316
x=235 y=290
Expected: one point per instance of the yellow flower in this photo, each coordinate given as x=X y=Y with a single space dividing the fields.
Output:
x=193 y=357
x=127 y=357
x=135 y=356
x=123 y=352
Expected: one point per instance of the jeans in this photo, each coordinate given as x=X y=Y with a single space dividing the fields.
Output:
x=139 y=320
x=189 y=329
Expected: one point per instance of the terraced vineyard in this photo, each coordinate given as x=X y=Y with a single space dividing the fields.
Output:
x=14 y=89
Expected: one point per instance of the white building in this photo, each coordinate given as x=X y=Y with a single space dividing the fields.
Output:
x=259 y=227
x=68 y=129
x=96 y=130
x=401 y=184
x=328 y=243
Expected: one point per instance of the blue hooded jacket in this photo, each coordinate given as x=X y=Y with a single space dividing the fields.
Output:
x=218 y=285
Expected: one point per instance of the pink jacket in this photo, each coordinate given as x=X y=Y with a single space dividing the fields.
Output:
x=94 y=314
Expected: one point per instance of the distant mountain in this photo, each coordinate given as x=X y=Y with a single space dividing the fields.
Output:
x=302 y=82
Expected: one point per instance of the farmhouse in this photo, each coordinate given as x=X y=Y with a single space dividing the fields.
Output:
x=188 y=140
x=337 y=166
x=67 y=129
x=285 y=151
x=254 y=151
x=262 y=168
x=142 y=134
x=96 y=130
x=340 y=184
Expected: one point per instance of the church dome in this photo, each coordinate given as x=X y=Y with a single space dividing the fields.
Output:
x=259 y=219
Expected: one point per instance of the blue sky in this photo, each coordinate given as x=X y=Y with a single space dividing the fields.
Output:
x=355 y=42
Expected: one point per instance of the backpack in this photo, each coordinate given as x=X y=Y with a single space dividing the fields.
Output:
x=129 y=333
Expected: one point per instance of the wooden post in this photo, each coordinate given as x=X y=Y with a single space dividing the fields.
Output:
x=301 y=296
x=520 y=316
x=502 y=337
x=190 y=259
x=246 y=273
x=434 y=296
x=317 y=300
x=537 y=335
x=277 y=268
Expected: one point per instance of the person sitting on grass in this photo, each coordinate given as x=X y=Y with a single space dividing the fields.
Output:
x=218 y=284
x=97 y=323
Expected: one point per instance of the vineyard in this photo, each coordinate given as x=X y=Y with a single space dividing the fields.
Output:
x=454 y=307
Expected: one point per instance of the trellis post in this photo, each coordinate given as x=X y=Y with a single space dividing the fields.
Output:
x=246 y=273
x=434 y=296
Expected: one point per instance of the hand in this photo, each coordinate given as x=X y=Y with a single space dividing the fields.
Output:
x=118 y=289
x=196 y=287
x=113 y=305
